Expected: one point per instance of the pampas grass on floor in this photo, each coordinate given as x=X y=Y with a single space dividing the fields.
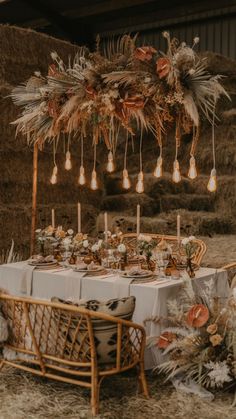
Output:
x=23 y=396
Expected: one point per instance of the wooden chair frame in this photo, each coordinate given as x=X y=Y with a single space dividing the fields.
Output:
x=131 y=239
x=70 y=329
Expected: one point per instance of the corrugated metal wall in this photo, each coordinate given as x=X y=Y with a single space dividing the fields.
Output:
x=216 y=29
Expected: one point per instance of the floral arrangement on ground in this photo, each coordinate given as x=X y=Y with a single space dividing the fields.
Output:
x=199 y=337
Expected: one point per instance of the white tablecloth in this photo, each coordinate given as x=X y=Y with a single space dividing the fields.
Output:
x=150 y=297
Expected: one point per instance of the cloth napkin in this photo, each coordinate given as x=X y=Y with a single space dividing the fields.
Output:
x=73 y=284
x=26 y=279
x=121 y=286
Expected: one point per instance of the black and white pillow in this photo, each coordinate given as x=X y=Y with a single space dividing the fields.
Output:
x=105 y=332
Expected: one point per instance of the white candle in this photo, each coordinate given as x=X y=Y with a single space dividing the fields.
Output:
x=178 y=229
x=138 y=220
x=105 y=225
x=53 y=218
x=79 y=217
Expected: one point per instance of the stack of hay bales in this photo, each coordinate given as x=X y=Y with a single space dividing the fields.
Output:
x=22 y=52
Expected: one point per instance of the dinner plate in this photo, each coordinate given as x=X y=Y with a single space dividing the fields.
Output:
x=41 y=264
x=145 y=274
x=97 y=269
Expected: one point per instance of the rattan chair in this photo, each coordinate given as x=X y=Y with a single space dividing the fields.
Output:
x=231 y=271
x=57 y=341
x=131 y=240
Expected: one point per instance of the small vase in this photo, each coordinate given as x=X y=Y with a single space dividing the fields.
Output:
x=189 y=268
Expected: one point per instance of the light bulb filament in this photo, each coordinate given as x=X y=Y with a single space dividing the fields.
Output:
x=110 y=162
x=126 y=181
x=82 y=179
x=192 y=173
x=158 y=169
x=140 y=184
x=94 y=182
x=68 y=164
x=212 y=183
x=176 y=177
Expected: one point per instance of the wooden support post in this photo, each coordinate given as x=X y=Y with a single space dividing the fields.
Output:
x=34 y=198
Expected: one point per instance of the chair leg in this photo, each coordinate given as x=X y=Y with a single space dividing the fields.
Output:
x=95 y=396
x=142 y=380
x=1 y=365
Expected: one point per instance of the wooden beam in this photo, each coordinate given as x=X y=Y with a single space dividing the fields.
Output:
x=34 y=199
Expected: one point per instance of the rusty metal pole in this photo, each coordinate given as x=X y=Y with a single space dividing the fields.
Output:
x=34 y=198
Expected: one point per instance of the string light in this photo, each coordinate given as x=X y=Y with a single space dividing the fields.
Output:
x=82 y=178
x=140 y=184
x=158 y=169
x=176 y=177
x=110 y=162
x=94 y=182
x=53 y=178
x=212 y=183
x=192 y=173
x=126 y=184
x=68 y=164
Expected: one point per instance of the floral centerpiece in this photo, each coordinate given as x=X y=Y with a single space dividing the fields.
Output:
x=200 y=337
x=52 y=239
x=189 y=246
x=145 y=246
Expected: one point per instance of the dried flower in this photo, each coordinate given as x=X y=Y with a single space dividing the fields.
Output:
x=121 y=248
x=197 y=315
x=144 y=53
x=163 y=67
x=196 y=40
x=212 y=328
x=165 y=339
x=216 y=339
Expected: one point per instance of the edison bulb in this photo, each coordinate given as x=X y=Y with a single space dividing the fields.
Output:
x=53 y=179
x=68 y=164
x=212 y=183
x=158 y=169
x=126 y=184
x=82 y=179
x=110 y=163
x=94 y=182
x=176 y=177
x=192 y=173
x=140 y=184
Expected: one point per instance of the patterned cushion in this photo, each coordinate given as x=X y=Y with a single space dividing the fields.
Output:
x=105 y=332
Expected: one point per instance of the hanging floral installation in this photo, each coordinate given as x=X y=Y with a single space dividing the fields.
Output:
x=123 y=89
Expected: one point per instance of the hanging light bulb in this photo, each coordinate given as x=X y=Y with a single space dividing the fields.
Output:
x=110 y=162
x=212 y=183
x=53 y=179
x=126 y=184
x=94 y=182
x=82 y=179
x=68 y=164
x=140 y=184
x=176 y=177
x=158 y=169
x=192 y=173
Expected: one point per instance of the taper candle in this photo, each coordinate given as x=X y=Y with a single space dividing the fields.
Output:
x=53 y=218
x=105 y=225
x=79 y=217
x=178 y=229
x=138 y=220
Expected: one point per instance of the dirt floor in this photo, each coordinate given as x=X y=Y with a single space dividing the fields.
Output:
x=221 y=250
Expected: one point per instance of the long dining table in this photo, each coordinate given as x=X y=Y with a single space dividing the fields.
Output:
x=151 y=297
